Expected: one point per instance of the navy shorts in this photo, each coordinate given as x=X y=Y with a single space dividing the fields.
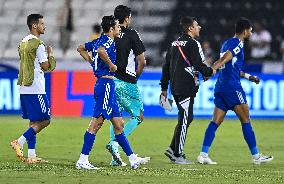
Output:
x=35 y=107
x=105 y=99
x=228 y=100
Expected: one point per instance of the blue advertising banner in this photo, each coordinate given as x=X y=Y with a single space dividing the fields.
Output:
x=9 y=93
x=266 y=100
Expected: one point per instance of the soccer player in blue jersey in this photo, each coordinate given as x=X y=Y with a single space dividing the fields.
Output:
x=103 y=62
x=130 y=53
x=229 y=94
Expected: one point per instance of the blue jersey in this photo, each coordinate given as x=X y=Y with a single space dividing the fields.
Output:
x=100 y=68
x=229 y=75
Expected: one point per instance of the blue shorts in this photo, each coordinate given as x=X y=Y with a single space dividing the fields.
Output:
x=35 y=107
x=228 y=100
x=105 y=99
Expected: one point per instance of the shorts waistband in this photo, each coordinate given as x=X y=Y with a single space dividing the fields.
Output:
x=107 y=77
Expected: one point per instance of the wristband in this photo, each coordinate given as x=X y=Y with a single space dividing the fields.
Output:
x=247 y=76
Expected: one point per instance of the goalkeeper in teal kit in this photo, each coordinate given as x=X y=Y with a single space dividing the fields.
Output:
x=130 y=63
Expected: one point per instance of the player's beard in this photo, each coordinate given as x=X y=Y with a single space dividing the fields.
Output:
x=246 y=39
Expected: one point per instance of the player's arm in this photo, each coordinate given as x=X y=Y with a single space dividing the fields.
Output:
x=196 y=60
x=138 y=49
x=47 y=62
x=249 y=77
x=141 y=64
x=223 y=60
x=104 y=56
x=164 y=82
x=84 y=53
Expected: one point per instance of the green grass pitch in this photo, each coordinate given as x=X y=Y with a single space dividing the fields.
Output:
x=61 y=143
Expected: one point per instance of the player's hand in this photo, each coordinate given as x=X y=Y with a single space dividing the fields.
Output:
x=112 y=68
x=254 y=79
x=49 y=51
x=205 y=78
x=164 y=93
x=214 y=71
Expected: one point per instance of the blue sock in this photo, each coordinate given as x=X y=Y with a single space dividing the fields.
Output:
x=123 y=142
x=89 y=140
x=209 y=136
x=32 y=142
x=129 y=127
x=250 y=137
x=29 y=134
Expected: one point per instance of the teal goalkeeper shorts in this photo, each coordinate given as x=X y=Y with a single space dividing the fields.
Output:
x=128 y=97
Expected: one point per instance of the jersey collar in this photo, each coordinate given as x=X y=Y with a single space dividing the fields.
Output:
x=29 y=37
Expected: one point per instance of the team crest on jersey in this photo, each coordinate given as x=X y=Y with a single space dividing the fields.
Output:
x=236 y=50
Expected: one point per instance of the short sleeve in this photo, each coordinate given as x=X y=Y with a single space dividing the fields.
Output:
x=41 y=54
x=88 y=46
x=234 y=48
x=138 y=47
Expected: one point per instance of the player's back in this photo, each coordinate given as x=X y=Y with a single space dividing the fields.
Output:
x=100 y=68
x=229 y=75
x=129 y=45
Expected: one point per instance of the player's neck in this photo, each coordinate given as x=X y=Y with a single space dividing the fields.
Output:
x=239 y=36
x=35 y=33
x=109 y=35
x=190 y=34
x=124 y=24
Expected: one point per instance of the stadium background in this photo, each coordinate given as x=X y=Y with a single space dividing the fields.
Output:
x=70 y=90
x=71 y=85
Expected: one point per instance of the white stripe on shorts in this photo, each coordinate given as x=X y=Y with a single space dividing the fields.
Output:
x=42 y=104
x=241 y=99
x=106 y=98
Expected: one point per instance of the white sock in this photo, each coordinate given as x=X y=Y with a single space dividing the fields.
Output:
x=83 y=158
x=204 y=154
x=256 y=156
x=31 y=153
x=22 y=140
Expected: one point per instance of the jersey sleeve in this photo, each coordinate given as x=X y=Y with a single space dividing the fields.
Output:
x=88 y=46
x=164 y=82
x=234 y=48
x=196 y=56
x=41 y=54
x=138 y=46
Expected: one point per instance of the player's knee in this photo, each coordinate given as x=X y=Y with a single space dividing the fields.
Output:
x=141 y=118
x=97 y=125
x=47 y=122
x=118 y=128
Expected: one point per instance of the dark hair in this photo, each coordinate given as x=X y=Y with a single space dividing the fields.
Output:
x=33 y=19
x=242 y=24
x=97 y=28
x=107 y=23
x=186 y=22
x=121 y=12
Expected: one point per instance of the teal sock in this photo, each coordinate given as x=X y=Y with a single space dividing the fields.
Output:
x=111 y=131
x=130 y=126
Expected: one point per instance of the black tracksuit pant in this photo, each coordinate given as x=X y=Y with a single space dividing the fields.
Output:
x=185 y=117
